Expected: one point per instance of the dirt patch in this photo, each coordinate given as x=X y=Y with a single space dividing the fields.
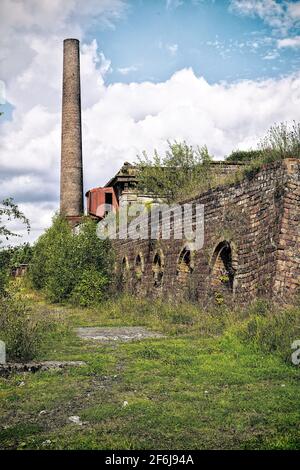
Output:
x=113 y=334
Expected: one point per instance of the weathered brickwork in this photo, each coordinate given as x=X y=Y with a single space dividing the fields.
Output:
x=71 y=178
x=251 y=245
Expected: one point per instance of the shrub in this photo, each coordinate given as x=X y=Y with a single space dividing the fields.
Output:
x=21 y=255
x=281 y=141
x=63 y=260
x=90 y=289
x=181 y=170
x=244 y=155
x=5 y=257
x=11 y=257
x=21 y=332
x=271 y=331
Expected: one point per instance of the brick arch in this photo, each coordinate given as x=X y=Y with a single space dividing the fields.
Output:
x=158 y=264
x=139 y=265
x=125 y=269
x=223 y=266
x=185 y=263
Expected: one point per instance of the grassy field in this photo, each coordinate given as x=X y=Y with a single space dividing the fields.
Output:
x=202 y=386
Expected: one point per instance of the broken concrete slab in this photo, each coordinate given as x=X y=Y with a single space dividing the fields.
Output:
x=112 y=334
x=10 y=367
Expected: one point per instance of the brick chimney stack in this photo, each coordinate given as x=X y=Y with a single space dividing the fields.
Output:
x=71 y=176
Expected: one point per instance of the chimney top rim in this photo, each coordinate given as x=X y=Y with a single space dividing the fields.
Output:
x=71 y=39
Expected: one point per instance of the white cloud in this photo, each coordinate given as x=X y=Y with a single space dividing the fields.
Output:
x=281 y=16
x=119 y=120
x=145 y=115
x=31 y=72
x=2 y=92
x=294 y=10
x=172 y=49
x=125 y=119
x=127 y=70
x=271 y=55
x=293 y=42
x=173 y=4
x=21 y=21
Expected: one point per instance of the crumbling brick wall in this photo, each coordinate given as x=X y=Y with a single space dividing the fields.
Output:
x=251 y=244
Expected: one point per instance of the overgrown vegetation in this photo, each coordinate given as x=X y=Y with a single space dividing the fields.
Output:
x=185 y=172
x=9 y=211
x=207 y=384
x=177 y=173
x=19 y=329
x=281 y=141
x=70 y=266
x=244 y=156
x=269 y=328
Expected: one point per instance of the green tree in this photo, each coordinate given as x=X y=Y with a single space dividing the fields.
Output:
x=61 y=259
x=176 y=174
x=21 y=255
x=8 y=211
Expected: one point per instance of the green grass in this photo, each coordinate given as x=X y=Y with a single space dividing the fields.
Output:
x=201 y=387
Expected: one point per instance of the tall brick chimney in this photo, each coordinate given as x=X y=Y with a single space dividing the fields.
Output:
x=71 y=176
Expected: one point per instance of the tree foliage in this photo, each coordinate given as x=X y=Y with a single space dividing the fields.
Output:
x=61 y=260
x=173 y=175
x=20 y=255
x=9 y=211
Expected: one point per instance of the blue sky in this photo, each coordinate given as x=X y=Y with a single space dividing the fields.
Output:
x=216 y=73
x=222 y=40
x=153 y=40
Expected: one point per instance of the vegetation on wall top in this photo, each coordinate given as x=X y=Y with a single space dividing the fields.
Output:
x=173 y=175
x=185 y=171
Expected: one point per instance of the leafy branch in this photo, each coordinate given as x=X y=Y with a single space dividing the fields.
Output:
x=10 y=211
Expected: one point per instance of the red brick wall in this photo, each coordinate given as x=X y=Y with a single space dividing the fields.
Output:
x=258 y=217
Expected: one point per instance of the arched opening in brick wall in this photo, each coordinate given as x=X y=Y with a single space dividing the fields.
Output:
x=185 y=264
x=158 y=269
x=125 y=269
x=223 y=267
x=139 y=267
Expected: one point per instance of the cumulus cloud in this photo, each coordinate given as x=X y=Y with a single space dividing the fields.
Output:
x=30 y=75
x=289 y=42
x=146 y=115
x=2 y=92
x=119 y=120
x=294 y=10
x=22 y=21
x=281 y=16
